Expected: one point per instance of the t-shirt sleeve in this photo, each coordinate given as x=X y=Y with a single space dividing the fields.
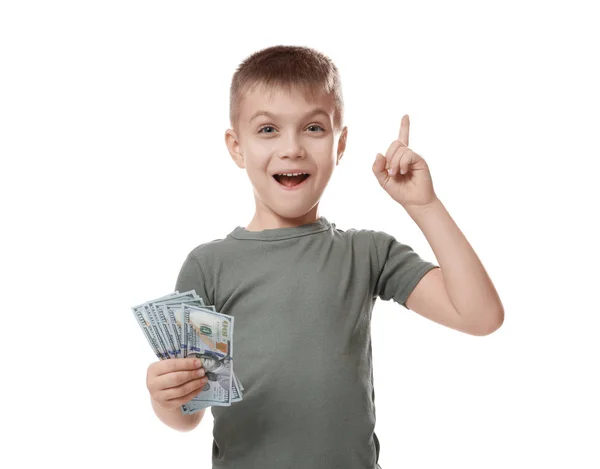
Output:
x=191 y=277
x=399 y=268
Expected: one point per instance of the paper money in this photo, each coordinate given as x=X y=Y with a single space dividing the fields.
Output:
x=181 y=325
x=143 y=320
x=207 y=335
x=167 y=327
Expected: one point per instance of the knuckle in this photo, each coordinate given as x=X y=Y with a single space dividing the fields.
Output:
x=199 y=386
x=186 y=376
x=194 y=385
x=170 y=365
x=184 y=362
x=186 y=398
x=169 y=394
x=175 y=379
x=159 y=398
x=177 y=393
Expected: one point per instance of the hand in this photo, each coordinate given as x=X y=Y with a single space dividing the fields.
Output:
x=408 y=181
x=174 y=382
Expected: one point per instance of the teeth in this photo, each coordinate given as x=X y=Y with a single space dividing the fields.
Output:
x=290 y=174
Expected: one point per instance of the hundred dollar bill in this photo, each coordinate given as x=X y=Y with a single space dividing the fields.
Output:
x=175 y=314
x=171 y=337
x=239 y=386
x=236 y=395
x=143 y=320
x=169 y=314
x=158 y=328
x=163 y=323
x=160 y=340
x=208 y=335
x=236 y=385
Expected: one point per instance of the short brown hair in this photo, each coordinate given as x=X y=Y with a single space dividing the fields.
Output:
x=287 y=67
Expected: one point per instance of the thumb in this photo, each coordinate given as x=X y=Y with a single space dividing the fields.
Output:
x=379 y=168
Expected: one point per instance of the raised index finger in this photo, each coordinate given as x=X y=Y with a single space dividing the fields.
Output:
x=404 y=129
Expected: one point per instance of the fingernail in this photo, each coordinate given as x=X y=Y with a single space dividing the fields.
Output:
x=198 y=363
x=201 y=372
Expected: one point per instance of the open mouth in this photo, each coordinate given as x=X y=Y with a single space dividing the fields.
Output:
x=291 y=181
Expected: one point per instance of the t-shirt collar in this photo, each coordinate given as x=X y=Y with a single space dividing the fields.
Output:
x=321 y=224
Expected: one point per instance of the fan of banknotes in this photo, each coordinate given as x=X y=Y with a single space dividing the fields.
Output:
x=180 y=325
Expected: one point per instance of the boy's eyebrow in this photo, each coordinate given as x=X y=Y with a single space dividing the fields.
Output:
x=316 y=111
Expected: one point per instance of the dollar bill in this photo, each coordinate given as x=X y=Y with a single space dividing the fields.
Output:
x=159 y=324
x=174 y=312
x=160 y=340
x=180 y=325
x=143 y=320
x=171 y=336
x=207 y=335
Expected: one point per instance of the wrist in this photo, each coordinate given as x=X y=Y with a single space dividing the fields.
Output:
x=419 y=211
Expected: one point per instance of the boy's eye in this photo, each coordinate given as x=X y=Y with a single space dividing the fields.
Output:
x=265 y=127
x=312 y=126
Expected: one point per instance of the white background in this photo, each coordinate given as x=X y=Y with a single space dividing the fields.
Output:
x=112 y=121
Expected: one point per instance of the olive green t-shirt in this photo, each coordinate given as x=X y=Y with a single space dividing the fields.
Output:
x=302 y=299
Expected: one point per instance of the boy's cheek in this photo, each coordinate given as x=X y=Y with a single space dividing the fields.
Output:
x=258 y=148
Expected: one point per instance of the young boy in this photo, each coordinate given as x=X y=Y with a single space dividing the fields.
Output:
x=301 y=290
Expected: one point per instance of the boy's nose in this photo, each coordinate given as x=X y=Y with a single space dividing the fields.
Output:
x=292 y=148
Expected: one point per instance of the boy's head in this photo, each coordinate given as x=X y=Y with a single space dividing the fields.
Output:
x=286 y=113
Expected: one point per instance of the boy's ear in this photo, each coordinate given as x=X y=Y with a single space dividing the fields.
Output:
x=233 y=146
x=342 y=145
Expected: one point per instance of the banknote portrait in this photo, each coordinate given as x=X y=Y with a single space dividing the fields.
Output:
x=217 y=368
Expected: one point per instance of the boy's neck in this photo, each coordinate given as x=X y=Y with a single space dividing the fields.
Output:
x=271 y=221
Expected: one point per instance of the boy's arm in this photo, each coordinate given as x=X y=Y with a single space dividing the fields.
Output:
x=459 y=294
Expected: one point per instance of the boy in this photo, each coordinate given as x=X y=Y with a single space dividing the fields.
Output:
x=301 y=290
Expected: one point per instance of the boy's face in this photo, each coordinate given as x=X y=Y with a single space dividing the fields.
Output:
x=293 y=138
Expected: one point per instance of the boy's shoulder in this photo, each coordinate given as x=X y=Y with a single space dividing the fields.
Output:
x=208 y=248
x=378 y=236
